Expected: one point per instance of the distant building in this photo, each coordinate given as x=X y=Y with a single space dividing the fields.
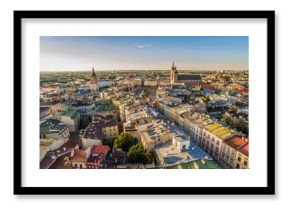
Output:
x=106 y=108
x=151 y=83
x=215 y=112
x=94 y=84
x=44 y=112
x=53 y=106
x=175 y=77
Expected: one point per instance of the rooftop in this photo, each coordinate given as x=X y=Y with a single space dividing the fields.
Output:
x=239 y=143
x=79 y=156
x=198 y=164
x=105 y=105
x=189 y=77
x=94 y=129
x=219 y=130
x=51 y=126
x=171 y=155
x=49 y=103
x=98 y=153
x=114 y=158
x=69 y=113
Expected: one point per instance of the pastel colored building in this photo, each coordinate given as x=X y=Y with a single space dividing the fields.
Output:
x=235 y=152
x=212 y=139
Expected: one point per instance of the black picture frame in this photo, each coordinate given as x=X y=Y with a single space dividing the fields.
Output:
x=268 y=190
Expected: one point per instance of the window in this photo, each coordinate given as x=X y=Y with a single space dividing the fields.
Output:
x=246 y=163
x=239 y=159
x=217 y=142
x=224 y=148
x=238 y=166
x=223 y=154
x=227 y=158
x=232 y=154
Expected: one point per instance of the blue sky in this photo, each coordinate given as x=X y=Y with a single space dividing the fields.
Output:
x=143 y=52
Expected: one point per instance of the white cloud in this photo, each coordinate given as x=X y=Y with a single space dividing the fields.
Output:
x=142 y=45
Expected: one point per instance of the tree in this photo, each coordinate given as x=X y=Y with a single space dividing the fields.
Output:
x=243 y=127
x=109 y=141
x=137 y=154
x=124 y=141
x=229 y=120
x=143 y=94
x=240 y=126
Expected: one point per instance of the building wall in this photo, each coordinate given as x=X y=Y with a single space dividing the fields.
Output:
x=113 y=113
x=90 y=142
x=62 y=134
x=149 y=145
x=228 y=155
x=84 y=108
x=110 y=131
x=212 y=144
x=52 y=147
x=55 y=108
x=241 y=161
x=72 y=123
x=151 y=83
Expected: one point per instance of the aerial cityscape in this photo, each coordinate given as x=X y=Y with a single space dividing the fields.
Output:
x=155 y=102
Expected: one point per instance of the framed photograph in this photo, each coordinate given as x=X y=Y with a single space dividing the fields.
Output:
x=144 y=102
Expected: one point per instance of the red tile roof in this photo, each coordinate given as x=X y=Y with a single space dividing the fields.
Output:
x=245 y=149
x=79 y=156
x=98 y=153
x=100 y=149
x=239 y=143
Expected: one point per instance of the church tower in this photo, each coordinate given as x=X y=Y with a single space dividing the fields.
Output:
x=94 y=84
x=173 y=74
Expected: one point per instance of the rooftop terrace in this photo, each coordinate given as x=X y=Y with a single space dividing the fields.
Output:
x=219 y=130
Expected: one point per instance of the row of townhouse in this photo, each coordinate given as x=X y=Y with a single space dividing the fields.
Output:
x=226 y=146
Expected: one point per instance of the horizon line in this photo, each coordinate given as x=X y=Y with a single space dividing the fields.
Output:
x=242 y=69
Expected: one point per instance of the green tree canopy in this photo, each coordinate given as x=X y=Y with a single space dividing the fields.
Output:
x=143 y=94
x=124 y=141
x=240 y=126
x=137 y=154
x=243 y=127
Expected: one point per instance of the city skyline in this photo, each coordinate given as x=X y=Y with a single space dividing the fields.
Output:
x=106 y=53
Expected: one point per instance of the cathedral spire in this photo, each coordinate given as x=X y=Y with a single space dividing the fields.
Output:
x=94 y=81
x=93 y=71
